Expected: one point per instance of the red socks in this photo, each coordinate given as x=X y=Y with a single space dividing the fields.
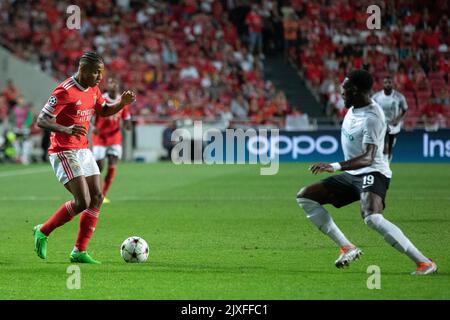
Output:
x=109 y=179
x=88 y=221
x=64 y=214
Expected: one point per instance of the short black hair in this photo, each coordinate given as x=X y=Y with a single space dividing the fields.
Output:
x=361 y=79
x=91 y=57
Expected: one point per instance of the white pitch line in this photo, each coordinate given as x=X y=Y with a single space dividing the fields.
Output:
x=15 y=173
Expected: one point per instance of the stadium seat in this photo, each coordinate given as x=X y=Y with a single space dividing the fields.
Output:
x=438 y=84
x=410 y=122
x=423 y=96
x=436 y=76
x=411 y=100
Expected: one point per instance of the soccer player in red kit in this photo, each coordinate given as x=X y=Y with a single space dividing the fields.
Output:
x=67 y=114
x=107 y=138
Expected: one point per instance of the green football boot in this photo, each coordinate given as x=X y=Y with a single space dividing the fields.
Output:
x=40 y=242
x=82 y=257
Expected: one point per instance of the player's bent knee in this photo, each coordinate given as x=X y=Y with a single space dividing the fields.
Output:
x=307 y=204
x=366 y=213
x=82 y=203
x=303 y=193
x=97 y=200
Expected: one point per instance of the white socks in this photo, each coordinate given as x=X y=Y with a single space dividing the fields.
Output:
x=394 y=236
x=391 y=233
x=322 y=219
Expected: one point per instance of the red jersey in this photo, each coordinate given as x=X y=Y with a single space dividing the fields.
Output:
x=254 y=22
x=109 y=127
x=72 y=104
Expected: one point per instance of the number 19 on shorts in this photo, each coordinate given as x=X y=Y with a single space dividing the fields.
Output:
x=368 y=180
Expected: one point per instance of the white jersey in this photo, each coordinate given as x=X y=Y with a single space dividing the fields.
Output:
x=366 y=125
x=392 y=106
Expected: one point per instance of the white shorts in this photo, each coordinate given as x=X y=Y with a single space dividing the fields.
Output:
x=394 y=129
x=100 y=152
x=73 y=163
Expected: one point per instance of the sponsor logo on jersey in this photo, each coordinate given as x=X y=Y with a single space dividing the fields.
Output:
x=52 y=101
x=347 y=135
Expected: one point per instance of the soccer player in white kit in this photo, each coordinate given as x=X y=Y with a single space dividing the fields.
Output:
x=394 y=106
x=366 y=177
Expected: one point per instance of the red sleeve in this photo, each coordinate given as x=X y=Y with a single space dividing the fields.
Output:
x=57 y=101
x=248 y=18
x=126 y=113
x=100 y=102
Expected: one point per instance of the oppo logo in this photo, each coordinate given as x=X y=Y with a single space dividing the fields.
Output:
x=296 y=146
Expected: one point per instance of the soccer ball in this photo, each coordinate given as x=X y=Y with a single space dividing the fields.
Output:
x=134 y=250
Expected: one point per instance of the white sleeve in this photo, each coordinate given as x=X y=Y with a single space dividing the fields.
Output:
x=374 y=97
x=374 y=130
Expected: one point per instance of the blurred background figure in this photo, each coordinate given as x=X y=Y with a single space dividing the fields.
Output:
x=10 y=93
x=168 y=144
x=21 y=119
x=255 y=25
x=291 y=29
x=433 y=115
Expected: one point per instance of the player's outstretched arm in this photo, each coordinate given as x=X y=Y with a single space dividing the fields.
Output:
x=403 y=109
x=127 y=98
x=45 y=121
x=364 y=160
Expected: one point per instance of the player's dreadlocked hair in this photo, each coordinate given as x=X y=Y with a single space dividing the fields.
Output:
x=361 y=79
x=91 y=57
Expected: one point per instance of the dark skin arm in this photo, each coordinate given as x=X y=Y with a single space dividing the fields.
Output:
x=400 y=117
x=127 y=97
x=361 y=161
x=44 y=121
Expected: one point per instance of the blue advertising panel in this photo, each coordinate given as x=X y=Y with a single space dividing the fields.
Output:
x=422 y=146
x=413 y=146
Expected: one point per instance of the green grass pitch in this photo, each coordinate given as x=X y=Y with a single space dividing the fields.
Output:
x=221 y=232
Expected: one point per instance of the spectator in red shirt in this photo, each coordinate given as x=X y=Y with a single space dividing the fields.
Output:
x=290 y=28
x=431 y=38
x=433 y=115
x=254 y=22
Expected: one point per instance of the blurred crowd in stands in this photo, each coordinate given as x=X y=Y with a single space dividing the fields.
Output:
x=204 y=59
x=184 y=58
x=19 y=134
x=329 y=38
